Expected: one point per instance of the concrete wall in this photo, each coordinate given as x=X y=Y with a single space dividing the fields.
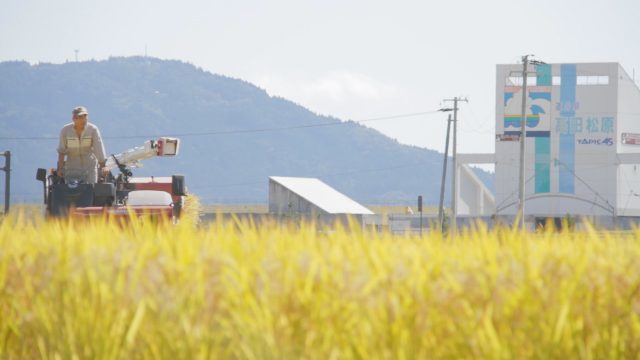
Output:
x=321 y=221
x=410 y=224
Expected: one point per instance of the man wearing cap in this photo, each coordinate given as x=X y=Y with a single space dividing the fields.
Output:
x=81 y=144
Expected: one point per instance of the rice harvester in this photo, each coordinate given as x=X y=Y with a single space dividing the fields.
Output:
x=121 y=195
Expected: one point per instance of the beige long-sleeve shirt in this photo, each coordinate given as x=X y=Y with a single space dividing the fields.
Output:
x=83 y=153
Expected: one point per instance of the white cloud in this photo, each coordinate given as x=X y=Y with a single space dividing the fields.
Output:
x=339 y=93
x=345 y=86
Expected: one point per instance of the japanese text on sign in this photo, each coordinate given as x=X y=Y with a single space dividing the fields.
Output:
x=591 y=125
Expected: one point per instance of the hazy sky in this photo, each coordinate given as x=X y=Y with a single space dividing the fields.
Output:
x=350 y=59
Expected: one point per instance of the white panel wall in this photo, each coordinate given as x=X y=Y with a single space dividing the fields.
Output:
x=628 y=189
x=474 y=199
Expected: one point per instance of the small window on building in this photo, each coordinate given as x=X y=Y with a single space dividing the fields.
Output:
x=592 y=80
x=517 y=81
x=582 y=80
x=513 y=81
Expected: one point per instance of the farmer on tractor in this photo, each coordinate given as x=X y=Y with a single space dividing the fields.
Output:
x=81 y=144
x=75 y=189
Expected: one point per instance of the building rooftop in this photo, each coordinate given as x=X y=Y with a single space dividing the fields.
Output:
x=322 y=195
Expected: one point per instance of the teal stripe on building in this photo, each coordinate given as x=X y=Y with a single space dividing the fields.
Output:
x=568 y=75
x=543 y=145
x=543 y=165
x=543 y=75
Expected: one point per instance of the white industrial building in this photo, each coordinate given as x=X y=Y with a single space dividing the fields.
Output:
x=313 y=200
x=582 y=155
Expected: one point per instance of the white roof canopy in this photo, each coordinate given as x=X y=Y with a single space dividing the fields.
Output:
x=322 y=195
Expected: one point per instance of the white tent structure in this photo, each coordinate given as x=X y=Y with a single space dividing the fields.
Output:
x=312 y=199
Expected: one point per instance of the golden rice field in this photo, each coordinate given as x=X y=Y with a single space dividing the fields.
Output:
x=237 y=291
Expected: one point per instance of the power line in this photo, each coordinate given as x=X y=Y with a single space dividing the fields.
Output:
x=360 y=171
x=250 y=183
x=259 y=130
x=239 y=131
x=478 y=128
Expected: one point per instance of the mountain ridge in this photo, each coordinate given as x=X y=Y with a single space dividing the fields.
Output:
x=227 y=153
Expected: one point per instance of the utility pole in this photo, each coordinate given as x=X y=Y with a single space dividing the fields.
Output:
x=420 y=210
x=454 y=151
x=76 y=51
x=444 y=176
x=523 y=138
x=7 y=180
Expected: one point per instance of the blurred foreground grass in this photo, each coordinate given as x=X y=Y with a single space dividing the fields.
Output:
x=99 y=290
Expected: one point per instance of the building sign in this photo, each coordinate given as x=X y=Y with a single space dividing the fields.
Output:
x=508 y=137
x=591 y=125
x=630 y=139
x=572 y=136
x=591 y=141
